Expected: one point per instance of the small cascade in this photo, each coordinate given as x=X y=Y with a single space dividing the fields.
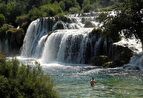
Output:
x=59 y=25
x=132 y=43
x=40 y=46
x=136 y=62
x=4 y=47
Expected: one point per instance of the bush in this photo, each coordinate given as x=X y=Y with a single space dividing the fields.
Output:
x=35 y=13
x=51 y=9
x=2 y=19
x=3 y=30
x=96 y=32
x=21 y=81
x=15 y=39
x=102 y=17
x=13 y=10
x=101 y=60
x=74 y=10
x=67 y=4
x=22 y=19
x=2 y=58
x=3 y=8
x=87 y=8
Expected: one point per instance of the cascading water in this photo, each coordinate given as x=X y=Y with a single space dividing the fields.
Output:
x=72 y=45
x=135 y=45
x=40 y=46
x=66 y=46
x=4 y=47
x=52 y=40
x=132 y=43
x=35 y=31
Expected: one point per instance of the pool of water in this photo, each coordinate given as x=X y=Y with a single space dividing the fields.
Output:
x=73 y=81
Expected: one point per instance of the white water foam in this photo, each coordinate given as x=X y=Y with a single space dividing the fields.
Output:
x=132 y=43
x=65 y=45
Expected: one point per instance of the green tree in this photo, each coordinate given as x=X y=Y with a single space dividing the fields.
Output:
x=2 y=19
x=51 y=9
x=35 y=13
x=3 y=30
x=129 y=19
x=13 y=10
x=21 y=81
x=74 y=10
x=80 y=2
x=67 y=4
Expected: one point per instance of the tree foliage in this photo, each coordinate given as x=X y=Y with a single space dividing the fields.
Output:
x=21 y=81
x=2 y=19
x=129 y=19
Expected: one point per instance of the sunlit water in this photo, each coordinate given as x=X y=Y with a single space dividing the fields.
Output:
x=72 y=81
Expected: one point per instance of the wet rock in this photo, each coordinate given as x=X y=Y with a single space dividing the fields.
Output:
x=121 y=55
x=110 y=55
x=15 y=39
x=101 y=60
x=89 y=24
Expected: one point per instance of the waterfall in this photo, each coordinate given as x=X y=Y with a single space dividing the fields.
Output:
x=44 y=26
x=4 y=47
x=54 y=40
x=34 y=32
x=59 y=25
x=40 y=47
x=67 y=46
x=132 y=43
x=136 y=62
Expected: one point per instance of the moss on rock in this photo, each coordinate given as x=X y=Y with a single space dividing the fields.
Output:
x=101 y=60
x=15 y=38
x=89 y=24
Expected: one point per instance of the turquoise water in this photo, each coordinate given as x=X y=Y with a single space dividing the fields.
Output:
x=72 y=81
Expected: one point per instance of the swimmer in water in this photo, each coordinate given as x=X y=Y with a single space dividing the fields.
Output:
x=92 y=82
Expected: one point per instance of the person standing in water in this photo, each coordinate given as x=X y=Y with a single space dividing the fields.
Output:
x=92 y=82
